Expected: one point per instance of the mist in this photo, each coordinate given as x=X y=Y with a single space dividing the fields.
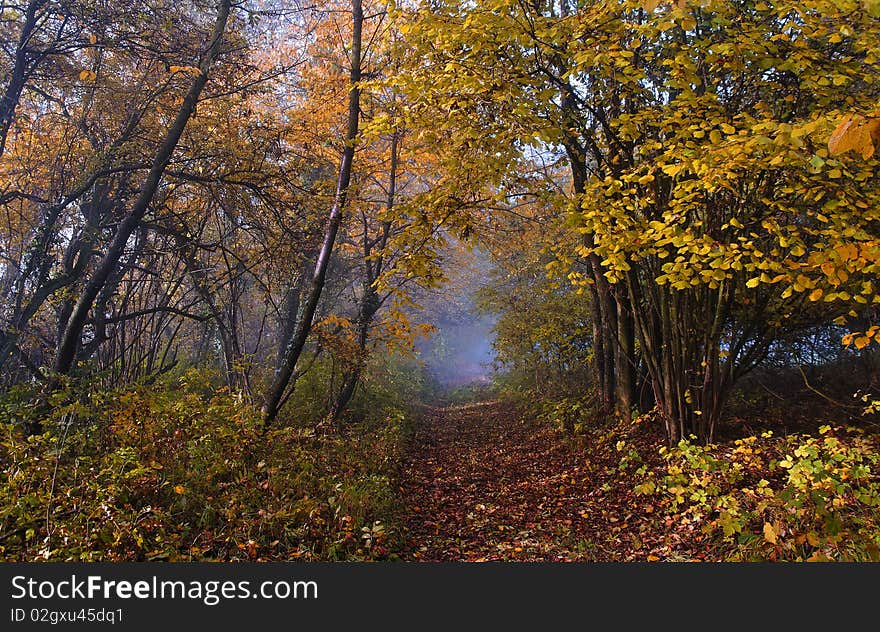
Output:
x=460 y=351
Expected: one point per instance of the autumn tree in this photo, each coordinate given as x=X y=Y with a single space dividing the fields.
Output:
x=728 y=202
x=199 y=262
x=62 y=199
x=72 y=331
x=297 y=342
x=495 y=75
x=702 y=191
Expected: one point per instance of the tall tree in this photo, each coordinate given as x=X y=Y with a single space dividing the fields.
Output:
x=281 y=380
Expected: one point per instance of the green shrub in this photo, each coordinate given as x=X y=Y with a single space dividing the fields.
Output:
x=764 y=498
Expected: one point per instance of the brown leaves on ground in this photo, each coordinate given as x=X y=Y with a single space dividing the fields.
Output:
x=485 y=483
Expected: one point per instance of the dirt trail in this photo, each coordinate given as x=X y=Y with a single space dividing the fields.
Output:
x=483 y=484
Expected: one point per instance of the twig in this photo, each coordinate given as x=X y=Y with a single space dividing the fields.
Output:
x=66 y=420
x=776 y=395
x=831 y=401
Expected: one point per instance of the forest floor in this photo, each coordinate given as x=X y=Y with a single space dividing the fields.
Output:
x=483 y=482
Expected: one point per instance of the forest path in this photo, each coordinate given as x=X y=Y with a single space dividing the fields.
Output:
x=481 y=483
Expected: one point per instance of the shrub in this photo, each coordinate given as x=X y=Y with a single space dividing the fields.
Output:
x=181 y=470
x=764 y=498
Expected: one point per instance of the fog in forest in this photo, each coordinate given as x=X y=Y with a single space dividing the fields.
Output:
x=459 y=352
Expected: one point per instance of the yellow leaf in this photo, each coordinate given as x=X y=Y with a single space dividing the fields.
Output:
x=842 y=138
x=769 y=533
x=873 y=125
x=816 y=294
x=862 y=341
x=672 y=170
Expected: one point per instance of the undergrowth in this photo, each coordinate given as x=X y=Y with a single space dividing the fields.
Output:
x=796 y=498
x=182 y=470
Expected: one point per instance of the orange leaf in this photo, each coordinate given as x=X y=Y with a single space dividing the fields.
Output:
x=854 y=132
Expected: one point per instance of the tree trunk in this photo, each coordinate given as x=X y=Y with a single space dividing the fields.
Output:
x=608 y=330
x=626 y=376
x=604 y=311
x=599 y=367
x=20 y=70
x=680 y=332
x=370 y=301
x=291 y=307
x=352 y=376
x=295 y=347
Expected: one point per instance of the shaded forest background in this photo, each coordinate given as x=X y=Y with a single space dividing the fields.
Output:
x=248 y=248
